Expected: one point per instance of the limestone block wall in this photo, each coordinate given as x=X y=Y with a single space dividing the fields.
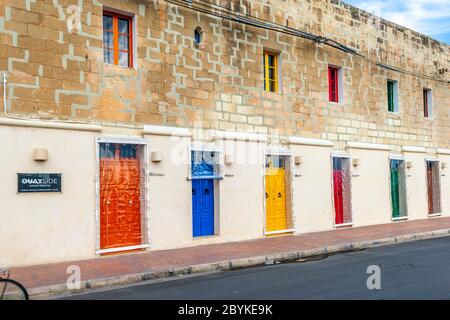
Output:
x=56 y=70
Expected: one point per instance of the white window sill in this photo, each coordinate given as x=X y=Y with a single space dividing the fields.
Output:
x=204 y=178
x=112 y=65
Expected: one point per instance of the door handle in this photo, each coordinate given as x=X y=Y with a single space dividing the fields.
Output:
x=279 y=195
x=193 y=192
x=206 y=191
x=267 y=195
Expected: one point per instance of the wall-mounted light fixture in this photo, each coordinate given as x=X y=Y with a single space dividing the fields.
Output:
x=444 y=165
x=298 y=160
x=229 y=159
x=356 y=162
x=409 y=164
x=157 y=156
x=40 y=154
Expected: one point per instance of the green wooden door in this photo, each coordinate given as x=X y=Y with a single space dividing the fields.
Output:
x=395 y=196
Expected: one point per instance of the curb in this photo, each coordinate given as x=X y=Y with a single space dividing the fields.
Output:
x=117 y=281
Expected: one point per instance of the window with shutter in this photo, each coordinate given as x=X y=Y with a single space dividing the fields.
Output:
x=391 y=94
x=427 y=103
x=333 y=84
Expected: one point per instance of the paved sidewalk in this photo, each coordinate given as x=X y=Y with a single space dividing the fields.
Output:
x=43 y=280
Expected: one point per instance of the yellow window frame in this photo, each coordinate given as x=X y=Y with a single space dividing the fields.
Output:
x=267 y=80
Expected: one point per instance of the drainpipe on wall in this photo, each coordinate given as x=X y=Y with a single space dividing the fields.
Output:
x=5 y=80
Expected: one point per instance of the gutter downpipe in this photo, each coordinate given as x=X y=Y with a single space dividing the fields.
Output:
x=4 y=94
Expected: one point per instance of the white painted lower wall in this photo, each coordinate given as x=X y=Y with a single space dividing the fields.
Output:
x=53 y=227
x=371 y=202
x=50 y=227
x=416 y=186
x=445 y=182
x=313 y=206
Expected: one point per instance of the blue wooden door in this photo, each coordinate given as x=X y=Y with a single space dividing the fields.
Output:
x=203 y=207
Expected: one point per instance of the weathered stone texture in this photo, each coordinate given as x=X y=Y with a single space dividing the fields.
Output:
x=57 y=74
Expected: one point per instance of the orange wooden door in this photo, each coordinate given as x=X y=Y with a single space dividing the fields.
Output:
x=120 y=201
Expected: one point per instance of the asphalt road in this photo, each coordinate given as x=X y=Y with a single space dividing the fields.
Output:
x=416 y=270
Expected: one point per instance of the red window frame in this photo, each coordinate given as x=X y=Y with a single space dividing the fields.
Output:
x=115 y=31
x=333 y=84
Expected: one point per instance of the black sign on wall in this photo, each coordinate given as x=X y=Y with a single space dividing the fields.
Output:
x=38 y=182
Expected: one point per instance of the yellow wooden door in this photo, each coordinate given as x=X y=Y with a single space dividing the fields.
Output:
x=276 y=218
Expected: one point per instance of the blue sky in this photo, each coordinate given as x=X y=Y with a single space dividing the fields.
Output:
x=430 y=17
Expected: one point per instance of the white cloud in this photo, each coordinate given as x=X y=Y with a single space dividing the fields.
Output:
x=431 y=17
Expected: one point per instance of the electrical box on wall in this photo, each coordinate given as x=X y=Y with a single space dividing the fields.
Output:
x=157 y=156
x=40 y=154
x=298 y=160
x=229 y=159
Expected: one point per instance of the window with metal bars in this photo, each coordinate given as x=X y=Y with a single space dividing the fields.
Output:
x=117 y=39
x=270 y=61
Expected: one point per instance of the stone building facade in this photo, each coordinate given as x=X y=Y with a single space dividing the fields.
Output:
x=62 y=97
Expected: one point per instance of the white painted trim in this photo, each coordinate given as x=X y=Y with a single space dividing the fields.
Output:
x=140 y=246
x=167 y=131
x=310 y=141
x=242 y=136
x=400 y=219
x=204 y=147
x=434 y=215
x=414 y=149
x=397 y=157
x=443 y=151
x=368 y=146
x=49 y=124
x=268 y=233
x=121 y=139
x=340 y=154
x=274 y=150
x=342 y=225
